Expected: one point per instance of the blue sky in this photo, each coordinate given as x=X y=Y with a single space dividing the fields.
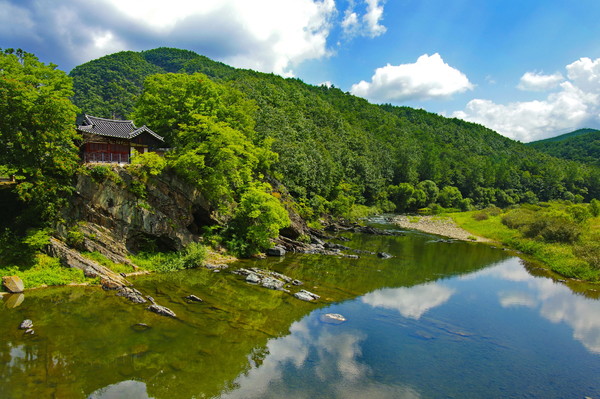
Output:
x=528 y=69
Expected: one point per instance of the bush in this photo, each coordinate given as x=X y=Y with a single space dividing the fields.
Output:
x=257 y=220
x=517 y=218
x=590 y=252
x=479 y=216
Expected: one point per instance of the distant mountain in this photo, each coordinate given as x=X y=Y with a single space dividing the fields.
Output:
x=582 y=145
x=330 y=142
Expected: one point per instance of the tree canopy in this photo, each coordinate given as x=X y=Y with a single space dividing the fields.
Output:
x=37 y=128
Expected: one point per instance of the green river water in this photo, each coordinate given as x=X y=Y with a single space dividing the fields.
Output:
x=438 y=320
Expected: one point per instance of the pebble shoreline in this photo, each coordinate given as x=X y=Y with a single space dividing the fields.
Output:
x=443 y=226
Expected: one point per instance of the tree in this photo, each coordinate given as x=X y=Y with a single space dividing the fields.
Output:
x=37 y=129
x=211 y=127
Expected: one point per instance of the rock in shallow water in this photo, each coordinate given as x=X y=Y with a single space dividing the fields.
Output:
x=306 y=296
x=383 y=255
x=26 y=324
x=332 y=318
x=13 y=284
x=276 y=251
x=161 y=310
x=194 y=298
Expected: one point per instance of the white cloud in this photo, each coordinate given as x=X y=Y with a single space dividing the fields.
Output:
x=411 y=302
x=267 y=35
x=430 y=77
x=369 y=24
x=532 y=81
x=576 y=104
x=534 y=120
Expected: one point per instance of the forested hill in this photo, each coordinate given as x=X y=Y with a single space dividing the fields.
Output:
x=582 y=145
x=335 y=148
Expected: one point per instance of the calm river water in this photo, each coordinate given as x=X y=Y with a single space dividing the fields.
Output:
x=438 y=320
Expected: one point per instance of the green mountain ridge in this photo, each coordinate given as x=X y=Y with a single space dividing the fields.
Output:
x=335 y=146
x=582 y=145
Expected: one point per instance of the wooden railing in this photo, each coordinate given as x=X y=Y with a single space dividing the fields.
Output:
x=105 y=157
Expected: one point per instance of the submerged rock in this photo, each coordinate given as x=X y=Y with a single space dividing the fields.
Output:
x=384 y=255
x=306 y=296
x=13 y=284
x=26 y=324
x=132 y=294
x=139 y=327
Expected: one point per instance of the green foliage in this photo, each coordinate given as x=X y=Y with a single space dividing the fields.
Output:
x=582 y=145
x=211 y=126
x=325 y=137
x=104 y=261
x=37 y=129
x=148 y=164
x=595 y=207
x=192 y=256
x=257 y=220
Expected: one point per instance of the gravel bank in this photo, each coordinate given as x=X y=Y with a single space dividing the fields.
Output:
x=443 y=226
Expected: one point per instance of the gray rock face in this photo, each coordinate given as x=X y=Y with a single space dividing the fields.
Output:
x=306 y=296
x=71 y=258
x=13 y=284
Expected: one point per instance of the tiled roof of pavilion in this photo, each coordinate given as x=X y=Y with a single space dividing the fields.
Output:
x=114 y=128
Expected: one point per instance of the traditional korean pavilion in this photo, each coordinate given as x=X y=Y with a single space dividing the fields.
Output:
x=114 y=141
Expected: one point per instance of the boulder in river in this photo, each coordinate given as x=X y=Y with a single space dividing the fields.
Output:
x=132 y=294
x=272 y=283
x=13 y=284
x=332 y=318
x=161 y=310
x=276 y=251
x=384 y=255
x=26 y=324
x=306 y=296
x=194 y=298
x=253 y=278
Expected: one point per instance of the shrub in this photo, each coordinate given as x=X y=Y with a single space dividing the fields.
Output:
x=256 y=221
x=517 y=218
x=479 y=216
x=590 y=252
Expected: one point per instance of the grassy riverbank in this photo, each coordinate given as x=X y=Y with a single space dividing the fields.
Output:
x=564 y=236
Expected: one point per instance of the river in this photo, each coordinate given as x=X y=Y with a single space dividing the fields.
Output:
x=441 y=319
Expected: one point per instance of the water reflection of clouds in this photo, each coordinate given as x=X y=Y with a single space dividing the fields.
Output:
x=333 y=358
x=411 y=302
x=555 y=301
x=125 y=389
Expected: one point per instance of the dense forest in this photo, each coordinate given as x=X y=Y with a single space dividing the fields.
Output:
x=582 y=145
x=336 y=150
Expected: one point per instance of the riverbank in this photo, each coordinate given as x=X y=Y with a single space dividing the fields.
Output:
x=439 y=225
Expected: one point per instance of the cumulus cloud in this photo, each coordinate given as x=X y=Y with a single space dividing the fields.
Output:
x=429 y=78
x=532 y=81
x=574 y=105
x=267 y=35
x=369 y=24
x=412 y=302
